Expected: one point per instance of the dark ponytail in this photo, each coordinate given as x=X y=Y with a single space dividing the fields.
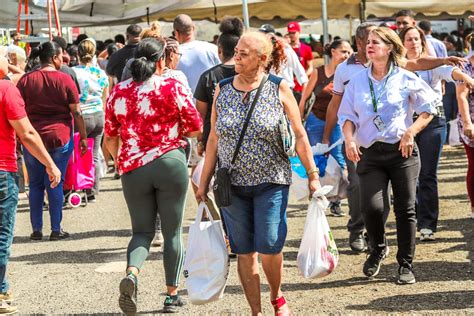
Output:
x=42 y=54
x=231 y=29
x=148 y=52
x=333 y=45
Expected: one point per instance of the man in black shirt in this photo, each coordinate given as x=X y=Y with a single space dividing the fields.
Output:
x=118 y=59
x=231 y=29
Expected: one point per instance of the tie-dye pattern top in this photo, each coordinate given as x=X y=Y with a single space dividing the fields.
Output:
x=151 y=118
x=261 y=158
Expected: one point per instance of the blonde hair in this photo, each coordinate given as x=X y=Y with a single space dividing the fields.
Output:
x=389 y=37
x=150 y=32
x=261 y=43
x=86 y=51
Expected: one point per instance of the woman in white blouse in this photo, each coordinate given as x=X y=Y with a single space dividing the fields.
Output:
x=430 y=141
x=376 y=114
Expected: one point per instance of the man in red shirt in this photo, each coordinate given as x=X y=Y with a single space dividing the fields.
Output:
x=13 y=120
x=304 y=52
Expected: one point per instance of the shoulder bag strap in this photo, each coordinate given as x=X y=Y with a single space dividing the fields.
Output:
x=247 y=119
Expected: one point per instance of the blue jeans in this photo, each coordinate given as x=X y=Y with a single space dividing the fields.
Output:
x=8 y=203
x=256 y=219
x=430 y=144
x=315 y=130
x=39 y=182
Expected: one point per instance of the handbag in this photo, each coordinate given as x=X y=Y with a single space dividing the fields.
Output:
x=222 y=183
x=287 y=134
x=309 y=103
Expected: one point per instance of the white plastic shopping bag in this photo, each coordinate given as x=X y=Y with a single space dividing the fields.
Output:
x=318 y=255
x=454 y=138
x=102 y=165
x=334 y=176
x=206 y=265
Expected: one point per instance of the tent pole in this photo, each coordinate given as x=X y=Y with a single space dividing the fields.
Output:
x=245 y=12
x=324 y=11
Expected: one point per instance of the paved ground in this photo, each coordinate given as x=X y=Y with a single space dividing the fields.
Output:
x=81 y=275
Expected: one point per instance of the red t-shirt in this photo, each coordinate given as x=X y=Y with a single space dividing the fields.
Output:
x=47 y=96
x=305 y=54
x=12 y=108
x=151 y=118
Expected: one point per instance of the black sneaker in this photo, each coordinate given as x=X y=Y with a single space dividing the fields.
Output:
x=357 y=242
x=36 y=236
x=173 y=303
x=405 y=275
x=128 y=295
x=59 y=235
x=336 y=210
x=373 y=262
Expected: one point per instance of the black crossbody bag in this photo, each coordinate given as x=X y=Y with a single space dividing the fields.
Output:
x=222 y=185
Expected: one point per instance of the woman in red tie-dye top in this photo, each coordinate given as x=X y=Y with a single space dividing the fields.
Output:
x=151 y=114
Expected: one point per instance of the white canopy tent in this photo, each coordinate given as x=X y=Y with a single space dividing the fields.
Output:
x=114 y=12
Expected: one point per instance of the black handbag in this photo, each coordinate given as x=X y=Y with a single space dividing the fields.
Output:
x=222 y=185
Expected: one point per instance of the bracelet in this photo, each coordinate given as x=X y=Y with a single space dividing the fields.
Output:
x=312 y=170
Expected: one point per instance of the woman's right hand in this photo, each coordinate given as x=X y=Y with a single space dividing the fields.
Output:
x=54 y=175
x=468 y=131
x=352 y=151
x=201 y=194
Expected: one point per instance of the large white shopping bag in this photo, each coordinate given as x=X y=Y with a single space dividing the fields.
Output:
x=318 y=255
x=206 y=265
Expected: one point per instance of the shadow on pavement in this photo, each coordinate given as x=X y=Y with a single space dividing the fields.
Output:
x=455 y=300
x=76 y=236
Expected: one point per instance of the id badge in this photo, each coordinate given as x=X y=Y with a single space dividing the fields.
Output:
x=379 y=123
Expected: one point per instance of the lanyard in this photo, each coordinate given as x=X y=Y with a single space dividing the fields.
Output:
x=375 y=100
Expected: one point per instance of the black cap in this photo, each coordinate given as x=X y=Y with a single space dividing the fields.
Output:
x=267 y=28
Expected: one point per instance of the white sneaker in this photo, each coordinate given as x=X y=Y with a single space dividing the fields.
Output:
x=426 y=234
x=158 y=240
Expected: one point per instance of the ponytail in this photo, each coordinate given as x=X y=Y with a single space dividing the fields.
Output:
x=149 y=52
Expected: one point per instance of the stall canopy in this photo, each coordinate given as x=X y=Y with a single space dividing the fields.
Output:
x=110 y=12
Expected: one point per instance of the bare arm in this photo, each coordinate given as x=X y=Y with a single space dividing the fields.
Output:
x=407 y=142
x=462 y=93
x=457 y=74
x=211 y=154
x=32 y=141
x=307 y=91
x=15 y=69
x=79 y=125
x=112 y=144
x=303 y=147
x=105 y=95
x=427 y=63
x=331 y=117
x=352 y=150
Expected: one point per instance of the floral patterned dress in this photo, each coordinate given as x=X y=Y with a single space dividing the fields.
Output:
x=468 y=69
x=261 y=158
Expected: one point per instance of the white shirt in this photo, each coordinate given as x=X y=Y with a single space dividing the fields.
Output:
x=434 y=77
x=404 y=93
x=438 y=49
x=292 y=67
x=197 y=57
x=344 y=73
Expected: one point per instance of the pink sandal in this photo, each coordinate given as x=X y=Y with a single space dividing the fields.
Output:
x=277 y=304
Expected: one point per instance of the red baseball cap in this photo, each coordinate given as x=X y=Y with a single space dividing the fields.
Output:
x=294 y=27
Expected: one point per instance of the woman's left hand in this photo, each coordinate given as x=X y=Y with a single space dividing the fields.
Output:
x=313 y=185
x=83 y=146
x=407 y=143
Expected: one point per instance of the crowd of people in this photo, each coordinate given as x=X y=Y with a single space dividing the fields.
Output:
x=155 y=105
